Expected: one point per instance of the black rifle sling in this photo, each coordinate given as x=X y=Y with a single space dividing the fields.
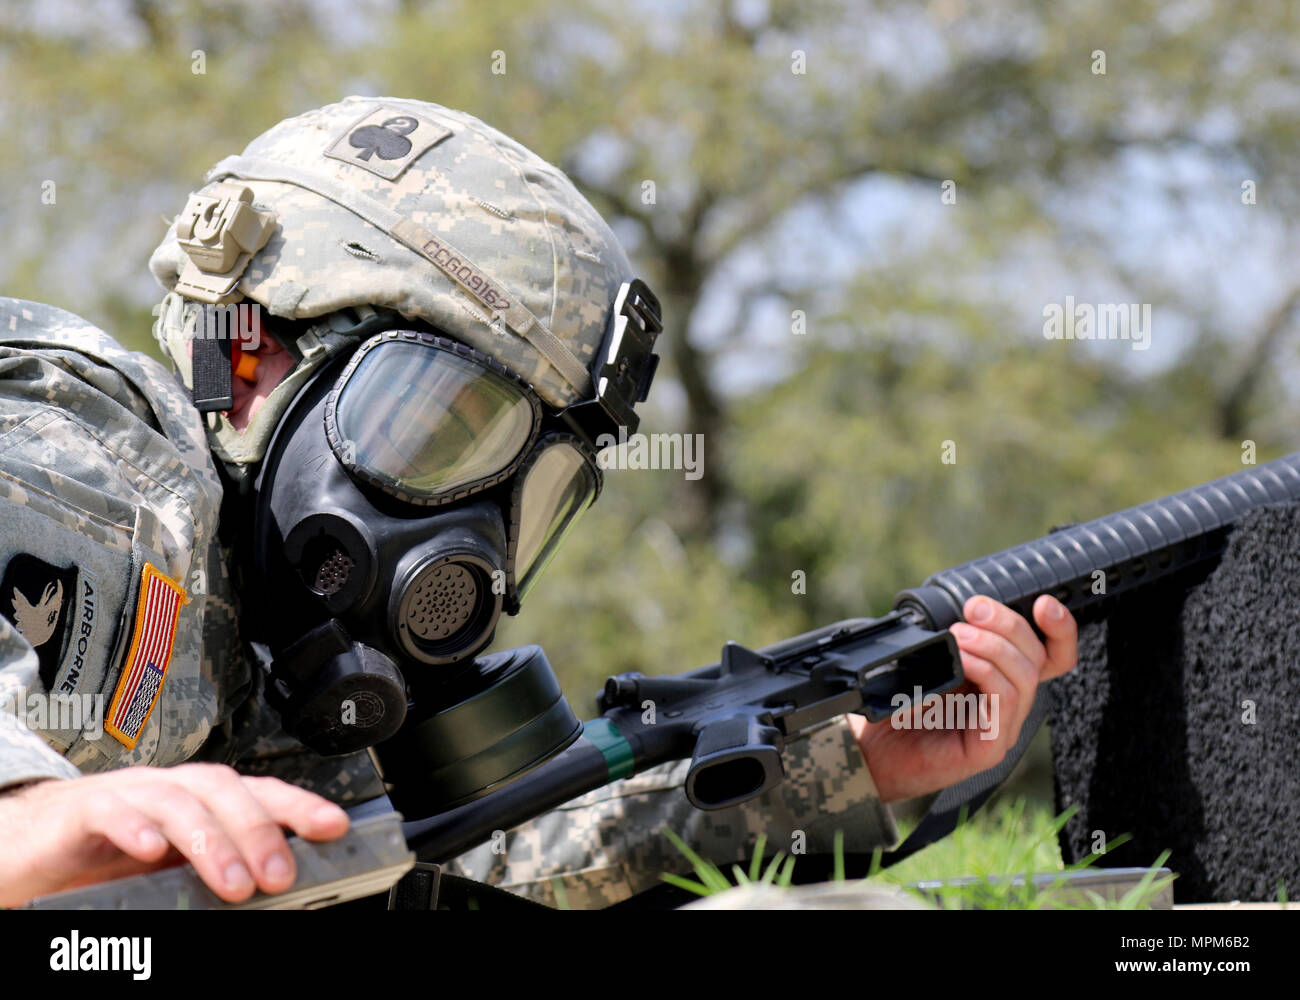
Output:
x=945 y=811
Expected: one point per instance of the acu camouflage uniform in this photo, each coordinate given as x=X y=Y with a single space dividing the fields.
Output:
x=610 y=844
x=365 y=205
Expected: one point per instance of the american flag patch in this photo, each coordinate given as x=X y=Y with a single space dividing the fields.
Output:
x=156 y=613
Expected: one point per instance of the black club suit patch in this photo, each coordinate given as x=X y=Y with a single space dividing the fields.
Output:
x=386 y=141
x=39 y=599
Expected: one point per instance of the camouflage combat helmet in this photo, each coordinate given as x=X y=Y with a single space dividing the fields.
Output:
x=403 y=206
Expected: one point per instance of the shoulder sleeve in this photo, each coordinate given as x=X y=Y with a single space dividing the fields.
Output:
x=610 y=844
x=24 y=756
x=110 y=573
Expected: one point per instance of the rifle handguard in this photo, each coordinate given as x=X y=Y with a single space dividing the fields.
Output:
x=1086 y=566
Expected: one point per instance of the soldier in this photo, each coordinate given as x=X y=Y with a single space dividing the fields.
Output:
x=464 y=290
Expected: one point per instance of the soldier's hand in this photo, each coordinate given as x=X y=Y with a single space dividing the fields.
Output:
x=61 y=834
x=1004 y=661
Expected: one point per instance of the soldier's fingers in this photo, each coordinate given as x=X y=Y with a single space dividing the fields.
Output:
x=1002 y=653
x=987 y=743
x=254 y=832
x=127 y=828
x=305 y=813
x=989 y=614
x=188 y=824
x=1062 y=633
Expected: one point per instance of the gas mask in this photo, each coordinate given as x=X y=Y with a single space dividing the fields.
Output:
x=414 y=491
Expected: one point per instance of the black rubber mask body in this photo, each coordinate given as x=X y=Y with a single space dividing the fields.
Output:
x=352 y=575
x=376 y=597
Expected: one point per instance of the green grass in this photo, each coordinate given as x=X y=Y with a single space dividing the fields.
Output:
x=779 y=870
x=1007 y=839
x=1008 y=836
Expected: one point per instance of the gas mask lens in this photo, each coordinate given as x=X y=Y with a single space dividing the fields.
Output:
x=431 y=421
x=557 y=483
x=428 y=419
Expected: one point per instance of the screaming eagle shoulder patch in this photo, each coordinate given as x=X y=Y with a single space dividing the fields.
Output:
x=37 y=597
x=386 y=141
x=157 y=610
